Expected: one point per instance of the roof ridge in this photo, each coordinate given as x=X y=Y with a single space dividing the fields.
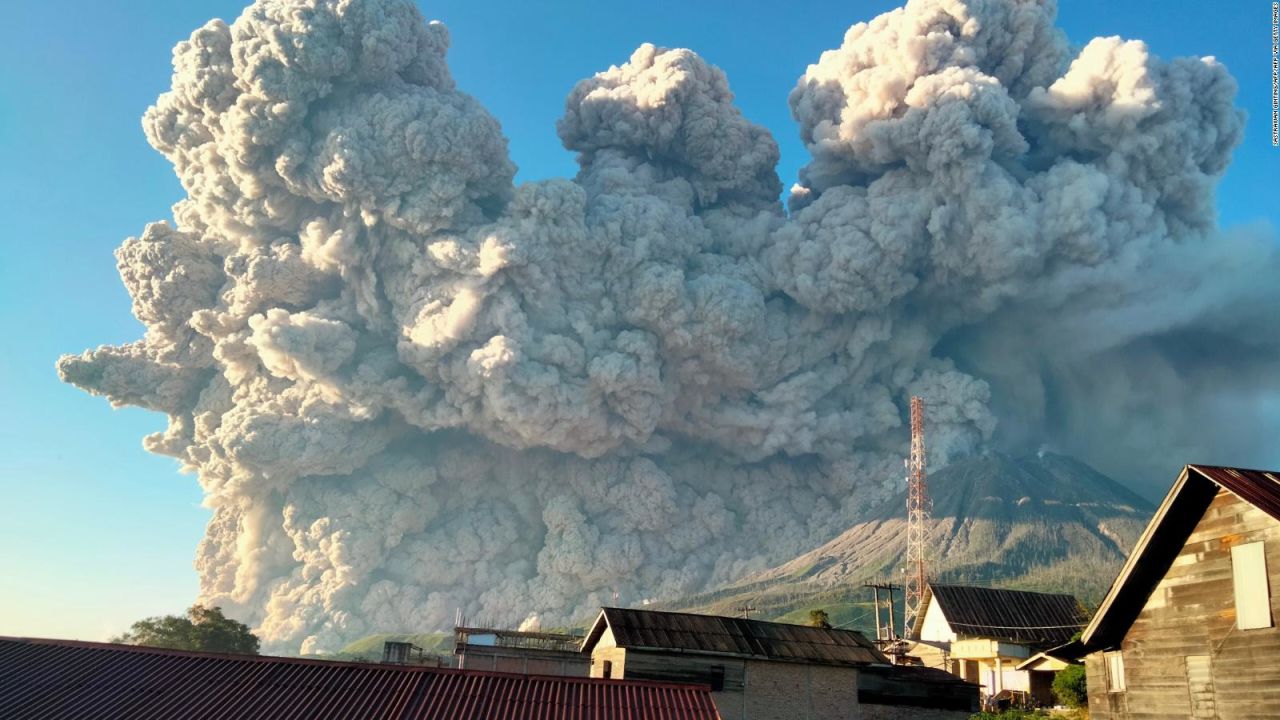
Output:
x=988 y=588
x=1236 y=468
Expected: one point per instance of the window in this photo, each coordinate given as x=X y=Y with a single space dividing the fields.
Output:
x=1115 y=671
x=1253 y=597
x=607 y=670
x=717 y=678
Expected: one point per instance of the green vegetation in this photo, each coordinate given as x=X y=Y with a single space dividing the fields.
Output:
x=201 y=629
x=849 y=611
x=1070 y=688
x=819 y=618
x=1011 y=715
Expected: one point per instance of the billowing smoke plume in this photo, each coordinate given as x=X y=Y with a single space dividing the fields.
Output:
x=409 y=386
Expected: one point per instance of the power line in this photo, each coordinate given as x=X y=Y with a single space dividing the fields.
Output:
x=860 y=618
x=882 y=632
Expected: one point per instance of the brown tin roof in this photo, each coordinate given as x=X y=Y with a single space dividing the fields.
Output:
x=55 y=679
x=713 y=634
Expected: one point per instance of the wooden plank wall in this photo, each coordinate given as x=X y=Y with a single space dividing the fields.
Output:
x=1192 y=613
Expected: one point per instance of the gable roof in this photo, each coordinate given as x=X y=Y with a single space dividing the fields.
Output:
x=1165 y=537
x=717 y=635
x=1045 y=661
x=1028 y=618
x=69 y=679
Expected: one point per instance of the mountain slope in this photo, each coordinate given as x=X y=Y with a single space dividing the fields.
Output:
x=1041 y=522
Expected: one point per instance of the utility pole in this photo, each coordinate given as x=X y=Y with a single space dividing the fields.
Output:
x=885 y=634
x=919 y=508
x=745 y=610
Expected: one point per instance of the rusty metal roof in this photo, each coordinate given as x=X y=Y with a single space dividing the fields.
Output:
x=1028 y=618
x=713 y=634
x=88 y=681
x=1259 y=488
x=1164 y=538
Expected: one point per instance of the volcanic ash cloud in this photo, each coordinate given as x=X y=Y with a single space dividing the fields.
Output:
x=408 y=385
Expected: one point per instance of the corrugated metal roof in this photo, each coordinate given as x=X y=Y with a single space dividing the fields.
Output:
x=1029 y=618
x=88 y=681
x=656 y=630
x=1183 y=507
x=1259 y=488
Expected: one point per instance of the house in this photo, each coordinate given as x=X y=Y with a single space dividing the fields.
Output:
x=56 y=679
x=516 y=651
x=989 y=636
x=1188 y=628
x=759 y=670
x=1041 y=668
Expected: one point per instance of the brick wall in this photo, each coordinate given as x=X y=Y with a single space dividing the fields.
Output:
x=792 y=691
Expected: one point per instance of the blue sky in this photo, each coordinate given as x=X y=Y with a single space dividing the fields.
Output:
x=94 y=532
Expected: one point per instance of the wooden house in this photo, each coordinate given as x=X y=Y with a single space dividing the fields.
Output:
x=1188 y=628
x=760 y=670
x=990 y=636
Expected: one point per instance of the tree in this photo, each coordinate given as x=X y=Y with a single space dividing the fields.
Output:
x=202 y=628
x=819 y=618
x=1070 y=688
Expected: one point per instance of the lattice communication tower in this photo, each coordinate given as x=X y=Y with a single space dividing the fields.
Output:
x=919 y=508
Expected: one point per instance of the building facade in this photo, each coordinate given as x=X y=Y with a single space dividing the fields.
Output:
x=1188 y=628
x=987 y=636
x=770 y=671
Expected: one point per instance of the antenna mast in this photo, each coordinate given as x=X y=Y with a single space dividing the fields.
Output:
x=918 y=510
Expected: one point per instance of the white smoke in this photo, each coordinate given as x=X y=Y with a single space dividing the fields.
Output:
x=409 y=386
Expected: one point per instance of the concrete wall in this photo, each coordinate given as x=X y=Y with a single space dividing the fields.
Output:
x=752 y=689
x=935 y=627
x=1010 y=679
x=527 y=662
x=790 y=691
x=607 y=650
